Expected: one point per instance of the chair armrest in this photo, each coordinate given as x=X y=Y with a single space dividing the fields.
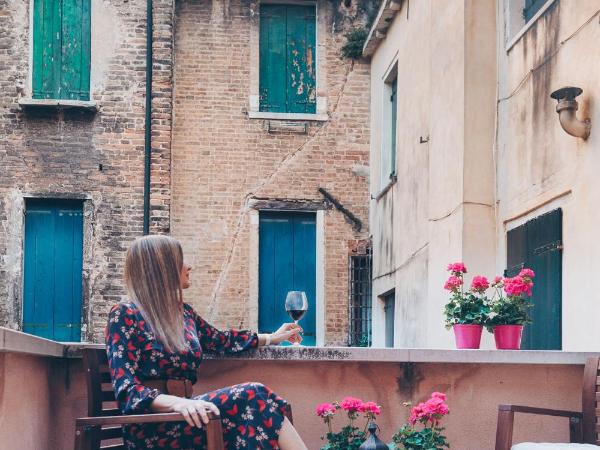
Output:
x=138 y=418
x=541 y=411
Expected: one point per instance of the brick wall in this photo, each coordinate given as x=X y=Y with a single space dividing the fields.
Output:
x=51 y=153
x=222 y=160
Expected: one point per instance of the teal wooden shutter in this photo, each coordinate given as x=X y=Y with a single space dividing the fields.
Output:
x=288 y=58
x=301 y=65
x=61 y=49
x=389 y=310
x=273 y=58
x=287 y=262
x=538 y=245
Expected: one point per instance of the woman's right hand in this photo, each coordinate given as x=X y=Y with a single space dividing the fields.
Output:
x=194 y=411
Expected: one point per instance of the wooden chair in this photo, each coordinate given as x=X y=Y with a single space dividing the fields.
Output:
x=105 y=419
x=583 y=425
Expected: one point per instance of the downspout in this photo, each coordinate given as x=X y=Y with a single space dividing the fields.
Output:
x=148 y=117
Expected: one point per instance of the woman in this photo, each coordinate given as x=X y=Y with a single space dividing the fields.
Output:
x=155 y=343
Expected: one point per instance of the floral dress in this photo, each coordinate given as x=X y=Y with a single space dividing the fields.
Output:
x=251 y=413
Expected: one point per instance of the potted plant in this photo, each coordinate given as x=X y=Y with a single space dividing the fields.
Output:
x=509 y=313
x=350 y=437
x=423 y=431
x=467 y=311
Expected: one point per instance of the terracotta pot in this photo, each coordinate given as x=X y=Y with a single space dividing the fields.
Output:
x=508 y=337
x=467 y=336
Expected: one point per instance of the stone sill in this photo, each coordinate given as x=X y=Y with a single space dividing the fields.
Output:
x=288 y=116
x=58 y=104
x=17 y=342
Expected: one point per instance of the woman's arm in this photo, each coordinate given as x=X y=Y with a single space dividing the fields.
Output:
x=123 y=350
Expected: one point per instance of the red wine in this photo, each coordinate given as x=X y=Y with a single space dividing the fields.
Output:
x=296 y=314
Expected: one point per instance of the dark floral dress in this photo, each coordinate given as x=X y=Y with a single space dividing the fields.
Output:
x=251 y=413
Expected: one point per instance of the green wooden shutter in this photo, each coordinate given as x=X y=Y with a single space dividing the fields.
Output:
x=61 y=49
x=272 y=58
x=287 y=59
x=301 y=64
x=394 y=102
x=538 y=245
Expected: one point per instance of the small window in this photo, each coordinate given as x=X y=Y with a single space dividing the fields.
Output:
x=61 y=49
x=360 y=300
x=389 y=310
x=388 y=142
x=531 y=8
x=287 y=59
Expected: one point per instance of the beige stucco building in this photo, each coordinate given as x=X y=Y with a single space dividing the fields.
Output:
x=481 y=170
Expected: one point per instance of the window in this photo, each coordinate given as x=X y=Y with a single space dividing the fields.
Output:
x=287 y=59
x=538 y=245
x=61 y=49
x=360 y=300
x=388 y=141
x=531 y=8
x=389 y=311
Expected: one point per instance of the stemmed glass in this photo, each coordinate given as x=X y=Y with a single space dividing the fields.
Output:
x=296 y=305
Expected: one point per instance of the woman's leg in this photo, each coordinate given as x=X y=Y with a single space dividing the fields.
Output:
x=289 y=439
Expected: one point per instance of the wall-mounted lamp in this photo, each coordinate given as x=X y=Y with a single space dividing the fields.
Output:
x=567 y=112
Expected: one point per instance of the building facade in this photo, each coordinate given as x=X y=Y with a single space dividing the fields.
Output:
x=470 y=163
x=253 y=111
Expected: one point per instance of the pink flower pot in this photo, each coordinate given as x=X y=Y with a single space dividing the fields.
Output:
x=467 y=336
x=508 y=337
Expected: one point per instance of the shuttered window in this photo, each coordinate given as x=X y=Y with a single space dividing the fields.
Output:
x=61 y=49
x=538 y=245
x=287 y=59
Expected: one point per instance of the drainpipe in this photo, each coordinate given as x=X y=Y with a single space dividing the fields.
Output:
x=567 y=112
x=148 y=118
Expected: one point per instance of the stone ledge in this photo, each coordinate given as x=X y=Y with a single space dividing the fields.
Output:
x=58 y=104
x=288 y=116
x=17 y=342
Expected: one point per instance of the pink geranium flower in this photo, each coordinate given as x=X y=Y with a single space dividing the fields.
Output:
x=430 y=411
x=370 y=408
x=497 y=281
x=351 y=404
x=527 y=273
x=457 y=268
x=325 y=410
x=480 y=284
x=453 y=283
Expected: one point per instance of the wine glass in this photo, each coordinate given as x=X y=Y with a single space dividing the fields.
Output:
x=296 y=305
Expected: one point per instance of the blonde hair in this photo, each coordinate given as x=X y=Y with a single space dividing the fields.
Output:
x=153 y=267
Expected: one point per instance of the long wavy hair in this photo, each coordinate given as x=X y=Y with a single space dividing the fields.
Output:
x=153 y=267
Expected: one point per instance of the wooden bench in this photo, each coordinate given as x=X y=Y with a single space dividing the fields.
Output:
x=105 y=419
x=583 y=425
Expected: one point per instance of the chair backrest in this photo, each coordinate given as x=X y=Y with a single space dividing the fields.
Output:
x=101 y=398
x=590 y=398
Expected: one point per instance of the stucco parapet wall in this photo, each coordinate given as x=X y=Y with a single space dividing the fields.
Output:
x=382 y=22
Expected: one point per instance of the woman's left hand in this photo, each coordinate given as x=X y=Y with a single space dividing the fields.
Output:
x=287 y=332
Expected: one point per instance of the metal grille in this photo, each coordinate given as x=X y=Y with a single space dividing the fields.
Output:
x=359 y=300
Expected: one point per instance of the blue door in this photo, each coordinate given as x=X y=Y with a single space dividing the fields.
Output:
x=53 y=269
x=287 y=262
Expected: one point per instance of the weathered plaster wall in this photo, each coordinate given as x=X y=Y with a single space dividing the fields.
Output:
x=224 y=162
x=55 y=395
x=78 y=154
x=441 y=208
x=540 y=167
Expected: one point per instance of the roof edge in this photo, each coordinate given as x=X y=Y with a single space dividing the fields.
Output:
x=377 y=33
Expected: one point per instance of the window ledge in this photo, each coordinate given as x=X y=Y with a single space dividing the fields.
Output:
x=287 y=116
x=511 y=43
x=59 y=104
x=386 y=188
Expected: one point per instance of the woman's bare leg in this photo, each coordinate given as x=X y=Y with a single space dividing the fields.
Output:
x=289 y=439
